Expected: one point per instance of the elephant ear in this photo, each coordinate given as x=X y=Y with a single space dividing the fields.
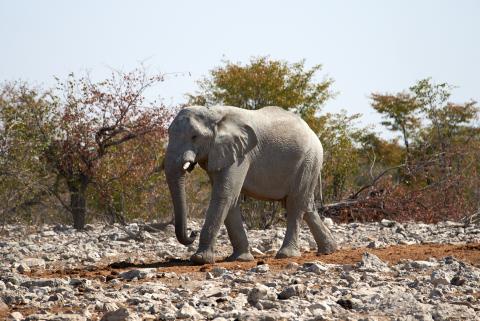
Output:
x=233 y=140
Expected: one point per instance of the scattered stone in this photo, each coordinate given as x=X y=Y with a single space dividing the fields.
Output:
x=388 y=223
x=34 y=263
x=260 y=292
x=372 y=263
x=345 y=303
x=376 y=245
x=423 y=264
x=109 y=307
x=65 y=272
x=218 y=271
x=186 y=311
x=263 y=268
x=134 y=274
x=457 y=281
x=121 y=314
x=436 y=294
x=440 y=277
x=256 y=252
x=328 y=222
x=315 y=267
x=16 y=316
x=42 y=283
x=320 y=308
x=3 y=307
x=23 y=268
x=292 y=290
x=48 y=233
x=56 y=317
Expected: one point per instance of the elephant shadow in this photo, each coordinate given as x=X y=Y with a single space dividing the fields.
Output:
x=158 y=265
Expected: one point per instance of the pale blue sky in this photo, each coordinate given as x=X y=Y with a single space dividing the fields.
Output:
x=364 y=46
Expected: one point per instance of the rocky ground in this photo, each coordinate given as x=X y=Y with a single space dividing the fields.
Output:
x=383 y=271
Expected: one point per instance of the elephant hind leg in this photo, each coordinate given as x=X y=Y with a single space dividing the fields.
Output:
x=238 y=236
x=322 y=235
x=290 y=247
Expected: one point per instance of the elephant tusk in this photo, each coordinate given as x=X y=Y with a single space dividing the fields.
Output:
x=186 y=165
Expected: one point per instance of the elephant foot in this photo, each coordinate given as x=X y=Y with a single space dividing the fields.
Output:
x=243 y=257
x=327 y=248
x=203 y=257
x=285 y=252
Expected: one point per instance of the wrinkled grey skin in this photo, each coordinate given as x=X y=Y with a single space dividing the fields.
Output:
x=268 y=154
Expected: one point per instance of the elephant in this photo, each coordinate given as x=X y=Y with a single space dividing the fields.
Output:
x=268 y=154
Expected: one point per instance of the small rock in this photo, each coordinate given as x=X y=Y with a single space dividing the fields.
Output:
x=133 y=274
x=219 y=271
x=188 y=312
x=328 y=222
x=372 y=263
x=446 y=311
x=375 y=245
x=423 y=264
x=256 y=252
x=48 y=233
x=320 y=308
x=121 y=314
x=167 y=312
x=207 y=311
x=109 y=307
x=56 y=297
x=42 y=283
x=457 y=281
x=23 y=268
x=34 y=263
x=350 y=277
x=56 y=317
x=292 y=266
x=315 y=267
x=436 y=294
x=440 y=277
x=80 y=282
x=16 y=316
x=3 y=306
x=345 y=303
x=292 y=290
x=388 y=223
x=260 y=292
x=264 y=268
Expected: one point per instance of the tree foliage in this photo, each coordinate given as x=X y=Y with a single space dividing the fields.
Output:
x=77 y=126
x=264 y=82
x=439 y=177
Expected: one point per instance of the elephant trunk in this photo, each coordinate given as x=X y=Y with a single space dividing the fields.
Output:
x=176 y=185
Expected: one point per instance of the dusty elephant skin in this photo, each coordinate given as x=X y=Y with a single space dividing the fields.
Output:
x=268 y=154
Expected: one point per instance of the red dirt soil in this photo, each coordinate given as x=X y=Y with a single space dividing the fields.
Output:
x=393 y=254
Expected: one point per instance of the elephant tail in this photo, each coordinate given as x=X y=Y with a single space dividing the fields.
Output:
x=318 y=191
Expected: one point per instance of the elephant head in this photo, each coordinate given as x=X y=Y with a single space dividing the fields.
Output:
x=216 y=138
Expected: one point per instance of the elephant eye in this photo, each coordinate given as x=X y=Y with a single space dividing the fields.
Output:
x=194 y=137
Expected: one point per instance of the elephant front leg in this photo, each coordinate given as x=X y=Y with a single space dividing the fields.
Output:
x=238 y=236
x=215 y=216
x=225 y=191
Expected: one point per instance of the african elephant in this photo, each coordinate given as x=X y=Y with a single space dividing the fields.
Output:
x=267 y=154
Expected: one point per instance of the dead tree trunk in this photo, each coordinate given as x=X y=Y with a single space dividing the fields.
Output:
x=77 y=187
